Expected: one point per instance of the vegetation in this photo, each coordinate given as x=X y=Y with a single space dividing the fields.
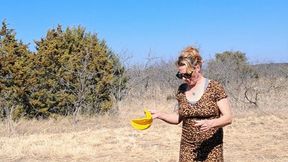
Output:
x=247 y=85
x=71 y=72
x=14 y=73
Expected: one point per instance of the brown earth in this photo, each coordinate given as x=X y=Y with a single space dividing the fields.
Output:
x=251 y=137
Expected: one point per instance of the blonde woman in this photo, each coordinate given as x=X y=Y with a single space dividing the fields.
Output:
x=203 y=110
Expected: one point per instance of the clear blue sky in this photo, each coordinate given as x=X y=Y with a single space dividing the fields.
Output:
x=162 y=28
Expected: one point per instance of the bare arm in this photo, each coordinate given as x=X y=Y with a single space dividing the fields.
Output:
x=223 y=120
x=171 y=118
x=226 y=114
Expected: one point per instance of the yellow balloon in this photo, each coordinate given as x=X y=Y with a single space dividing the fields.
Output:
x=142 y=123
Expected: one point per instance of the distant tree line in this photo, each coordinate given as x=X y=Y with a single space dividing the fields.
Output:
x=71 y=72
x=244 y=82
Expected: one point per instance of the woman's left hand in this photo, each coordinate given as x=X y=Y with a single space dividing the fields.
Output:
x=204 y=124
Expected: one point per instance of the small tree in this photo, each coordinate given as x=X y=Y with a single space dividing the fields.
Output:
x=14 y=73
x=233 y=70
x=75 y=73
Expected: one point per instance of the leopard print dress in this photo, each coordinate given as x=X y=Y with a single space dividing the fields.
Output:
x=196 y=145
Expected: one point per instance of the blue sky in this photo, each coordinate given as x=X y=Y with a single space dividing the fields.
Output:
x=162 y=28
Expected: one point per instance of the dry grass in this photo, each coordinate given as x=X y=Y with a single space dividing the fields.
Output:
x=253 y=136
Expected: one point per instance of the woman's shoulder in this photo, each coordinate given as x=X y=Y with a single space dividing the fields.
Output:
x=214 y=82
x=216 y=85
x=183 y=88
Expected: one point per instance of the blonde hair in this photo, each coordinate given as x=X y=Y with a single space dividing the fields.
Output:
x=190 y=58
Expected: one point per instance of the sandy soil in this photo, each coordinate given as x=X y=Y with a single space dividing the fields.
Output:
x=251 y=137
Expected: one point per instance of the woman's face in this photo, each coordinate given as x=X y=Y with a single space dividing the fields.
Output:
x=194 y=77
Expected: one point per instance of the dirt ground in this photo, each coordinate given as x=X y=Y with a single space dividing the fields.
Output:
x=251 y=137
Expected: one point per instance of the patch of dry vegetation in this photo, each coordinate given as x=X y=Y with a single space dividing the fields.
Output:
x=258 y=132
x=252 y=137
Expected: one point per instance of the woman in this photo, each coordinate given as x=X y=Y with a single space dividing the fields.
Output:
x=203 y=110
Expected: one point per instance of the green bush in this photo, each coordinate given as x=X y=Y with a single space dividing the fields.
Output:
x=71 y=72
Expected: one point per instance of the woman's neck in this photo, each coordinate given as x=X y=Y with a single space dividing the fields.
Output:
x=199 y=80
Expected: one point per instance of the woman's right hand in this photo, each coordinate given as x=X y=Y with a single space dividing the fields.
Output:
x=155 y=114
x=171 y=118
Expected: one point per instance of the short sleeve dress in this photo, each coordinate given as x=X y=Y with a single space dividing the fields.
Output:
x=197 y=145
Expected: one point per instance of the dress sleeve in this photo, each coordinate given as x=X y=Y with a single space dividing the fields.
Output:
x=219 y=92
x=180 y=96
